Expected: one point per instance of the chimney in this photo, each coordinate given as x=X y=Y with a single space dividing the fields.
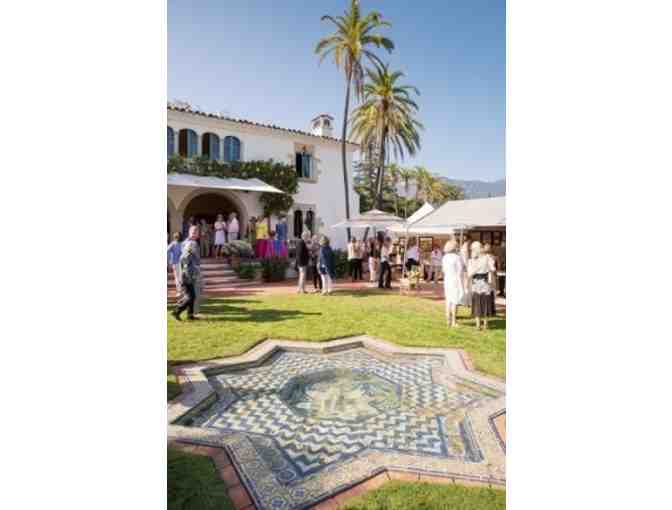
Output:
x=322 y=125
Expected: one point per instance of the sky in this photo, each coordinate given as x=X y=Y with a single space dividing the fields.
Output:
x=254 y=59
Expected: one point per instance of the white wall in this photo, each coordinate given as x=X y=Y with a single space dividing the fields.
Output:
x=258 y=143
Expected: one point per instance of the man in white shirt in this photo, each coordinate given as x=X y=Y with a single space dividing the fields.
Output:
x=436 y=260
x=412 y=256
x=385 y=278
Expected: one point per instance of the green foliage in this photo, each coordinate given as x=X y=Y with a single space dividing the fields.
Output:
x=193 y=482
x=341 y=263
x=397 y=184
x=246 y=271
x=280 y=175
x=274 y=269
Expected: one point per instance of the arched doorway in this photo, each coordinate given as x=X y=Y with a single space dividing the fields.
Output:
x=208 y=205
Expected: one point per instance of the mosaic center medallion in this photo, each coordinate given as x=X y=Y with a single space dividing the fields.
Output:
x=340 y=394
x=300 y=425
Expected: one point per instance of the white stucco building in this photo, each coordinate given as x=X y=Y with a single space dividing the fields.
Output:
x=315 y=154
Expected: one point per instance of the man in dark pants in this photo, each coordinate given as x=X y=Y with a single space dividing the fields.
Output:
x=385 y=278
x=189 y=277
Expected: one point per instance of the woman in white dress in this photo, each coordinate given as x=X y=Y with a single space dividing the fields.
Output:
x=233 y=227
x=220 y=235
x=464 y=254
x=453 y=280
x=479 y=269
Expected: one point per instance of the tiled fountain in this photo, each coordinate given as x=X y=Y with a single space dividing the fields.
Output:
x=304 y=421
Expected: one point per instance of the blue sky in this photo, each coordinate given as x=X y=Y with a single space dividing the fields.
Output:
x=255 y=59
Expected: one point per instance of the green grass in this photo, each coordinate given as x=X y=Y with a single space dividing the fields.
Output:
x=233 y=325
x=193 y=483
x=425 y=496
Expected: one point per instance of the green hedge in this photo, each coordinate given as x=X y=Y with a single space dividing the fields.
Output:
x=280 y=175
x=274 y=269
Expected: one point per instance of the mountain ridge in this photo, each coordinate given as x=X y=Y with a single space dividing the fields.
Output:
x=479 y=189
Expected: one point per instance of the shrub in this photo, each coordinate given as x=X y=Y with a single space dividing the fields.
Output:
x=246 y=271
x=274 y=269
x=242 y=249
x=341 y=263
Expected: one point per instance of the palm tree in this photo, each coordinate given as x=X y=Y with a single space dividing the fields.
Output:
x=394 y=171
x=406 y=175
x=349 y=44
x=387 y=115
x=422 y=182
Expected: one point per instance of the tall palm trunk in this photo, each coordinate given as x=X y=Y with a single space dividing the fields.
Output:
x=345 y=166
x=381 y=171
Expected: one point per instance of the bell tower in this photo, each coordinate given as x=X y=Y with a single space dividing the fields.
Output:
x=322 y=125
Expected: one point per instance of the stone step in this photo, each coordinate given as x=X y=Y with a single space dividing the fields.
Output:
x=226 y=280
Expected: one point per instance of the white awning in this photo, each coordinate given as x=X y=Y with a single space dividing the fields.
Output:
x=372 y=219
x=232 y=183
x=456 y=215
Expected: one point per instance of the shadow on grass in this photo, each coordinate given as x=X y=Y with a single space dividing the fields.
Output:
x=224 y=310
x=494 y=323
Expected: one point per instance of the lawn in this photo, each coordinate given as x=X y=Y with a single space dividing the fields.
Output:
x=424 y=496
x=193 y=483
x=233 y=325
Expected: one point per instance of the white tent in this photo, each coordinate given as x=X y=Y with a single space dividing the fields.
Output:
x=420 y=213
x=370 y=219
x=400 y=228
x=461 y=215
x=232 y=183
x=457 y=216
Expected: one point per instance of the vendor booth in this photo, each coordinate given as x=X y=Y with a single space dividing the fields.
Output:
x=482 y=220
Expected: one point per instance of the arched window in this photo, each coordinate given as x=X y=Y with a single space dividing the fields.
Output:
x=211 y=146
x=171 y=141
x=188 y=143
x=298 y=223
x=310 y=221
x=231 y=149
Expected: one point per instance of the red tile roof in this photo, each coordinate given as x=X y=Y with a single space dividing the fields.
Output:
x=252 y=123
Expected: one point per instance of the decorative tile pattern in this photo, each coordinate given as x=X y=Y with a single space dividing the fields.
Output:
x=301 y=426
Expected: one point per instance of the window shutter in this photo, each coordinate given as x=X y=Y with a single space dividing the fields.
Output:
x=307 y=170
x=171 y=141
x=192 y=143
x=299 y=164
x=236 y=149
x=214 y=147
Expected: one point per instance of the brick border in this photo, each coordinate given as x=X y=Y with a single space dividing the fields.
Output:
x=225 y=469
x=242 y=500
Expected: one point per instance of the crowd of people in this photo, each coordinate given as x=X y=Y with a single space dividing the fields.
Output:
x=212 y=237
x=470 y=278
x=315 y=260
x=469 y=271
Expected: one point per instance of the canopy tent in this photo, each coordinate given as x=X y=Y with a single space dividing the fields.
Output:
x=420 y=213
x=399 y=228
x=458 y=216
x=370 y=219
x=231 y=183
x=461 y=215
